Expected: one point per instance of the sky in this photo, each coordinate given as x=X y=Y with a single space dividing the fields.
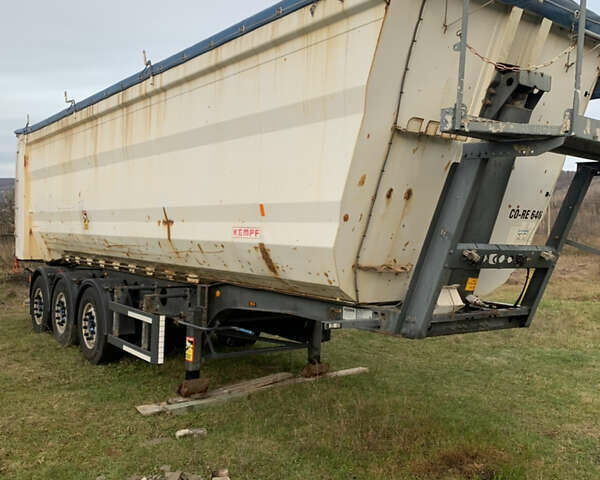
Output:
x=47 y=47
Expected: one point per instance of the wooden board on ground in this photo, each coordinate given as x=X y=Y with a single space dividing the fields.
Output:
x=237 y=390
x=236 y=387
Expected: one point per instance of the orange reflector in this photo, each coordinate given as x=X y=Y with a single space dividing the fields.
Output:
x=252 y=304
x=262 y=210
x=218 y=293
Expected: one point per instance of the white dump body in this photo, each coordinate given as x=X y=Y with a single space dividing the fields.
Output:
x=288 y=159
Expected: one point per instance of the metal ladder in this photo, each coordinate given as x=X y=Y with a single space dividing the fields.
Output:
x=457 y=245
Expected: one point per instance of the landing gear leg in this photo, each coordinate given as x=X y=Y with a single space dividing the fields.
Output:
x=193 y=386
x=193 y=347
x=315 y=368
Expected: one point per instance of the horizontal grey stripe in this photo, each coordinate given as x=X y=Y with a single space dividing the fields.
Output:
x=320 y=109
x=307 y=212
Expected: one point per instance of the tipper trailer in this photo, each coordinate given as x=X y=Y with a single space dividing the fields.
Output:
x=293 y=174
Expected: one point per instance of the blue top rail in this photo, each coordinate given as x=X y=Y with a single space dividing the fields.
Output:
x=562 y=12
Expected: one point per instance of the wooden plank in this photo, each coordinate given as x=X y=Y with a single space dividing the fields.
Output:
x=240 y=390
x=339 y=373
x=241 y=386
x=151 y=409
x=182 y=407
x=155 y=408
x=250 y=384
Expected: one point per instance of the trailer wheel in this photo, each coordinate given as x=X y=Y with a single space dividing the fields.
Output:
x=91 y=327
x=64 y=324
x=39 y=304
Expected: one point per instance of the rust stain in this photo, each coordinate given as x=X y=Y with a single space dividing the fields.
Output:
x=167 y=222
x=362 y=180
x=118 y=246
x=386 y=268
x=447 y=165
x=346 y=217
x=26 y=161
x=388 y=196
x=407 y=197
x=213 y=252
x=264 y=251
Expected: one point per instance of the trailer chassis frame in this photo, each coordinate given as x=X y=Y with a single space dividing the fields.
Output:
x=138 y=310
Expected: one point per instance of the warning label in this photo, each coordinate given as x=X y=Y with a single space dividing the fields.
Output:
x=189 y=349
x=471 y=284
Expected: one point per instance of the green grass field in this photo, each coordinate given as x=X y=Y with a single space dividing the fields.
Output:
x=510 y=405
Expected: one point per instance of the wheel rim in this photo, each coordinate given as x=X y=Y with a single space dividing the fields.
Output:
x=60 y=313
x=38 y=306
x=89 y=325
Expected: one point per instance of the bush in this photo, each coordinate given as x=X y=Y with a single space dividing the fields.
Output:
x=7 y=229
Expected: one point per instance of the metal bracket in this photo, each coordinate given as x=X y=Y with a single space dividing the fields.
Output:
x=69 y=101
x=154 y=352
x=479 y=256
x=526 y=148
x=582 y=133
x=446 y=258
x=582 y=247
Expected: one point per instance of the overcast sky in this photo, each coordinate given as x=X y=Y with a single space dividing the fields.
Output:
x=81 y=46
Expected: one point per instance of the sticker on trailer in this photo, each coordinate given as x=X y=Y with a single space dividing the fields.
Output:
x=190 y=344
x=349 y=313
x=522 y=235
x=246 y=233
x=519 y=234
x=525 y=213
x=471 y=284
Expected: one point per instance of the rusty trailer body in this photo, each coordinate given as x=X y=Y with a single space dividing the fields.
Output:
x=299 y=152
x=266 y=162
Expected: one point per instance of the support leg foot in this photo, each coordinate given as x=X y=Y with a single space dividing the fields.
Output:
x=193 y=388
x=315 y=370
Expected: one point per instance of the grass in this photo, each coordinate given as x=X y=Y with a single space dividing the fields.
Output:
x=496 y=406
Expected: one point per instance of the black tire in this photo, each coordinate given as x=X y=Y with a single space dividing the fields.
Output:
x=63 y=315
x=91 y=327
x=39 y=304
